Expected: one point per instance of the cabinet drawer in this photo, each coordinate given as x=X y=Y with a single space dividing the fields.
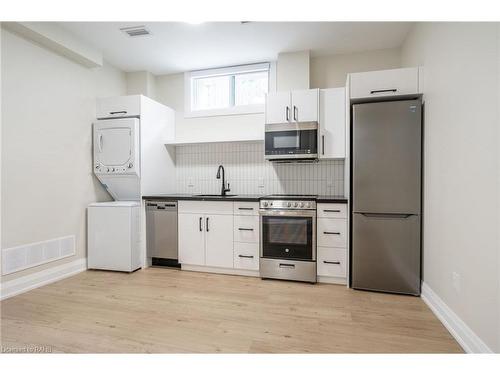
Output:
x=384 y=83
x=246 y=256
x=246 y=208
x=332 y=232
x=332 y=262
x=205 y=207
x=333 y=210
x=246 y=229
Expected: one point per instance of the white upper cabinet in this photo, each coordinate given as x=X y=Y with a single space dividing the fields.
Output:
x=384 y=83
x=332 y=123
x=121 y=106
x=292 y=106
x=305 y=105
x=278 y=107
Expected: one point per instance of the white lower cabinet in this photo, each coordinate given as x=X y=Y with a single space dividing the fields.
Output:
x=246 y=256
x=332 y=262
x=218 y=241
x=246 y=228
x=220 y=235
x=191 y=239
x=332 y=234
x=205 y=233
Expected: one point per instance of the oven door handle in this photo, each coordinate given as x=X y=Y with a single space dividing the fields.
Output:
x=283 y=213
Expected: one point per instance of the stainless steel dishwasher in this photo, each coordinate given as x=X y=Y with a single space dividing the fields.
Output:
x=161 y=233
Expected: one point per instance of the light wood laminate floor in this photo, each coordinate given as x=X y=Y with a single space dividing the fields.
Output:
x=171 y=311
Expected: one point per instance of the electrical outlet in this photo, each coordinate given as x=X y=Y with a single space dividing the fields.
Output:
x=455 y=278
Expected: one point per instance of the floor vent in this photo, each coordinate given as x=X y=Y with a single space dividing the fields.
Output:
x=136 y=31
x=26 y=256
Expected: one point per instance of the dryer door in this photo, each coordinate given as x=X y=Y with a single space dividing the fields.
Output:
x=115 y=146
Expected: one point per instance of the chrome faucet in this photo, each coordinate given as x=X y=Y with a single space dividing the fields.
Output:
x=223 y=190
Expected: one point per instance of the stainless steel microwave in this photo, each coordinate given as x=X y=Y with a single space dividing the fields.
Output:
x=291 y=141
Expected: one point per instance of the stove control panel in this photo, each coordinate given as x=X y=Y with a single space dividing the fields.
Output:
x=288 y=204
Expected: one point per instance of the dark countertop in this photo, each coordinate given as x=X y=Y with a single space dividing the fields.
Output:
x=190 y=197
x=331 y=199
x=239 y=198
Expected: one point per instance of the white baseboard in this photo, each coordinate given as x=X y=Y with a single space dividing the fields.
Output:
x=224 y=271
x=25 y=283
x=332 y=280
x=467 y=339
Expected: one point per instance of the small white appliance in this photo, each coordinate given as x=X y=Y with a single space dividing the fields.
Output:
x=114 y=236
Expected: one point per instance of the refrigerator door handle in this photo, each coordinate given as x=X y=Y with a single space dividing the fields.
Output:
x=386 y=216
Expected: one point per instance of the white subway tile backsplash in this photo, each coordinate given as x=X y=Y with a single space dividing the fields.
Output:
x=249 y=173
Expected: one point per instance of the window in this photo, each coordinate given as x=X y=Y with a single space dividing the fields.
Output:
x=224 y=91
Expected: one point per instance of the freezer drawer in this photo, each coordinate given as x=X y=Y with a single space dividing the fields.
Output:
x=386 y=253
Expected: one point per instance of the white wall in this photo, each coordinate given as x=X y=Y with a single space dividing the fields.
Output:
x=461 y=168
x=48 y=105
x=292 y=71
x=141 y=83
x=331 y=71
x=170 y=91
x=328 y=71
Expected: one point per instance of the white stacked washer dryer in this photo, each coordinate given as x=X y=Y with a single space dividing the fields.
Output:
x=130 y=159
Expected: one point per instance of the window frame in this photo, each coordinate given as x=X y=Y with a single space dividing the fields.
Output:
x=234 y=110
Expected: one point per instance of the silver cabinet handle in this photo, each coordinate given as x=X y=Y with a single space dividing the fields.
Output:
x=295 y=113
x=251 y=229
x=379 y=91
x=118 y=113
x=331 y=210
x=245 y=208
x=328 y=262
x=287 y=113
x=201 y=229
x=323 y=144
x=337 y=233
x=207 y=224
x=246 y=256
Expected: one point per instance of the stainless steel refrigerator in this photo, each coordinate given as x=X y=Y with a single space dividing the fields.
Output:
x=386 y=196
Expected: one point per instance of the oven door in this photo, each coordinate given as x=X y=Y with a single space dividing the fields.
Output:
x=288 y=234
x=297 y=141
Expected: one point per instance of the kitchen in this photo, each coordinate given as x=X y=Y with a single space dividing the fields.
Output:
x=283 y=201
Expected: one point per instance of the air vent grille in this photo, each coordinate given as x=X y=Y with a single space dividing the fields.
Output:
x=136 y=31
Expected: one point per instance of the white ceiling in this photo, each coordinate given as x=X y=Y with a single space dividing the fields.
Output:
x=177 y=47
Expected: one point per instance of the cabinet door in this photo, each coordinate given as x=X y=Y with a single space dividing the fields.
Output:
x=305 y=105
x=191 y=239
x=219 y=241
x=278 y=108
x=384 y=83
x=332 y=123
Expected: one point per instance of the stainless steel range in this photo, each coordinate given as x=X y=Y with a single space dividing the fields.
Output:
x=288 y=237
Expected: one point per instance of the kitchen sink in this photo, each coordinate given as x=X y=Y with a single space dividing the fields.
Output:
x=215 y=195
